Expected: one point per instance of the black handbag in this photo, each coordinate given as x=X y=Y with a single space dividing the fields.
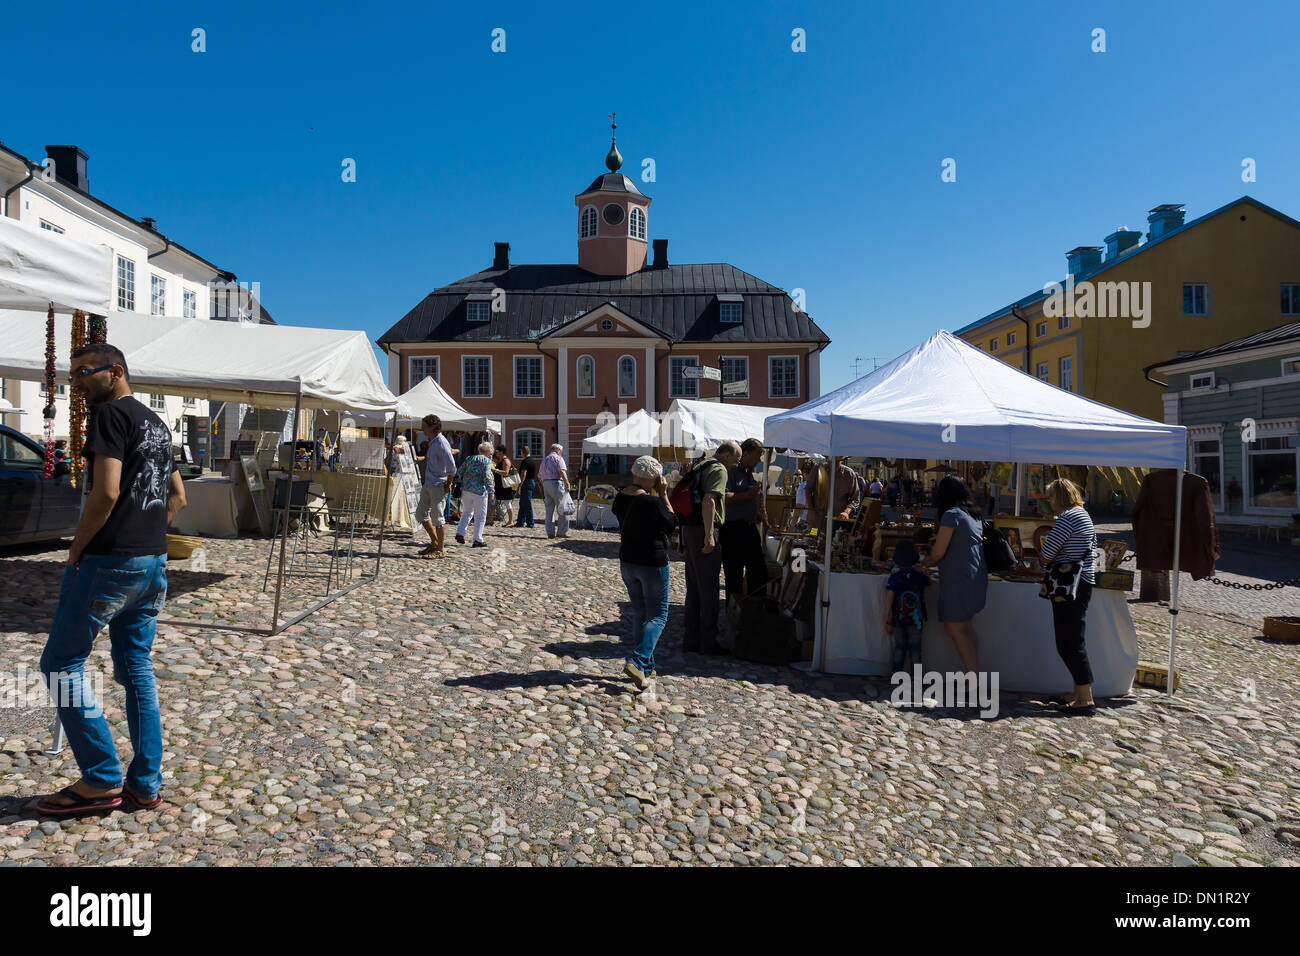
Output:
x=1061 y=581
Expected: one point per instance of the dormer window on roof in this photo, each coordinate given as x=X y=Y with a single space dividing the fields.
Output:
x=478 y=307
x=731 y=308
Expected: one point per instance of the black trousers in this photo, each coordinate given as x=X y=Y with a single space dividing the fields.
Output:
x=744 y=566
x=1068 y=618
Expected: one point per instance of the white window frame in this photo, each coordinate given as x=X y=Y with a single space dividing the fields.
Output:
x=636 y=214
x=189 y=401
x=1011 y=339
x=475 y=304
x=1044 y=372
x=1204 y=386
x=541 y=375
x=157 y=294
x=1062 y=323
x=1194 y=285
x=577 y=377
x=993 y=344
x=463 y=376
x=695 y=382
x=157 y=402
x=1295 y=297
x=189 y=303
x=619 y=369
x=57 y=230
x=125 y=284
x=798 y=385
x=541 y=441
x=739 y=308
x=1275 y=428
x=722 y=366
x=1288 y=361
x=1061 y=370
x=411 y=380
x=582 y=223
x=1040 y=329
x=1212 y=433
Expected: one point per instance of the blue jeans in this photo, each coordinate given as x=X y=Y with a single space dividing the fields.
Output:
x=125 y=594
x=647 y=589
x=525 y=504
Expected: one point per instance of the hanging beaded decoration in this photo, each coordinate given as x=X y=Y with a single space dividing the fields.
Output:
x=49 y=392
x=98 y=329
x=77 y=403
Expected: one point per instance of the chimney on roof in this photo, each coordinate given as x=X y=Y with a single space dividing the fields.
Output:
x=1120 y=241
x=1083 y=260
x=661 y=254
x=149 y=223
x=502 y=260
x=69 y=166
x=1165 y=219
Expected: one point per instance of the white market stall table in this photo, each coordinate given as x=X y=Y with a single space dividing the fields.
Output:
x=210 y=508
x=367 y=491
x=1016 y=638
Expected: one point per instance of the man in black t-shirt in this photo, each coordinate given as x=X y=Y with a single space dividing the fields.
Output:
x=116 y=577
x=527 y=483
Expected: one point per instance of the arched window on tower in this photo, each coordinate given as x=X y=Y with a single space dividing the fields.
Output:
x=636 y=223
x=587 y=223
x=586 y=377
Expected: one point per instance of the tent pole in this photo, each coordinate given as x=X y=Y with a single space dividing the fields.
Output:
x=383 y=508
x=1019 y=474
x=284 y=526
x=819 y=656
x=1173 y=575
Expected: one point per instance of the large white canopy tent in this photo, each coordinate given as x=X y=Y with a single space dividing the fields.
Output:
x=636 y=435
x=947 y=399
x=40 y=268
x=430 y=398
x=701 y=427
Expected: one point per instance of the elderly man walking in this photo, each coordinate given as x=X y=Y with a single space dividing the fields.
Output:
x=439 y=466
x=554 y=476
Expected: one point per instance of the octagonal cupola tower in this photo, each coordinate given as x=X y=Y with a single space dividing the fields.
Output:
x=612 y=220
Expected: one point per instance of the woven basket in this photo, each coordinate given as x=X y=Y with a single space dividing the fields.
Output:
x=180 y=546
x=1285 y=629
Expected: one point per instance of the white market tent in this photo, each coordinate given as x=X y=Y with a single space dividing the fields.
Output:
x=270 y=366
x=947 y=399
x=636 y=435
x=40 y=268
x=701 y=427
x=430 y=398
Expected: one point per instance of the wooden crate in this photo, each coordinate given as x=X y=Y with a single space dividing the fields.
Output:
x=1154 y=676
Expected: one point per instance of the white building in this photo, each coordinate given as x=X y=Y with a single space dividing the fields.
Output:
x=153 y=275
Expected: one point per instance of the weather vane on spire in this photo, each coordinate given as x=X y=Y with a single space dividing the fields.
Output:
x=615 y=159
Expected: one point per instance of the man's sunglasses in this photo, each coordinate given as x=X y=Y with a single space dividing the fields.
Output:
x=87 y=372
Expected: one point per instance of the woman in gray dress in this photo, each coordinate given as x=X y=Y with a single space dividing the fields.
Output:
x=963 y=575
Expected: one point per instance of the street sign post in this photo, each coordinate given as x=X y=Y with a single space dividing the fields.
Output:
x=739 y=387
x=702 y=371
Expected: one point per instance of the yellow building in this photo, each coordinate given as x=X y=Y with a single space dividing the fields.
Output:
x=1188 y=286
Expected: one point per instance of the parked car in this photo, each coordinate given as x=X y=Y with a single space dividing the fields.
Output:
x=33 y=507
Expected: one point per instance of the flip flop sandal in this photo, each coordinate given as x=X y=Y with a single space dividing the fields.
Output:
x=79 y=805
x=141 y=804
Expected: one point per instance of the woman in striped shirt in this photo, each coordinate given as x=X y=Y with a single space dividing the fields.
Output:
x=1072 y=539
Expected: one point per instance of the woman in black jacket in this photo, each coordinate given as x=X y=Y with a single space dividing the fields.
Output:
x=644 y=521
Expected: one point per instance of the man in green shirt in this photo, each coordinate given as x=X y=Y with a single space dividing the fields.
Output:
x=700 y=543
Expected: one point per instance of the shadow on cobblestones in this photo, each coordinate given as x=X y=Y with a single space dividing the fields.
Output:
x=499 y=680
x=607 y=650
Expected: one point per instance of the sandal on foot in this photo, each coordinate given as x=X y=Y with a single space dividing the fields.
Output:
x=139 y=802
x=80 y=804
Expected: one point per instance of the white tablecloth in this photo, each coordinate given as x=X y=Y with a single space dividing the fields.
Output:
x=1015 y=634
x=209 y=508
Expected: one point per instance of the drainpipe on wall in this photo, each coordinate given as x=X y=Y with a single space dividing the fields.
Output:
x=31 y=174
x=1028 y=340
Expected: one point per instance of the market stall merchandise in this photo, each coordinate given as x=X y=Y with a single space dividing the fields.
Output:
x=947 y=400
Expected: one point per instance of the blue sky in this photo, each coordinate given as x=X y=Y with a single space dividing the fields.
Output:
x=816 y=170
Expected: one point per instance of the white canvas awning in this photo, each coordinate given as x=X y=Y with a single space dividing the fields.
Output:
x=39 y=267
x=635 y=435
x=703 y=426
x=946 y=399
x=430 y=398
x=263 y=365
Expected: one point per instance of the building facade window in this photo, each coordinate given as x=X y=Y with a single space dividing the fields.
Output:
x=157 y=402
x=125 y=284
x=679 y=386
x=1062 y=323
x=422 y=367
x=735 y=368
x=157 y=295
x=60 y=391
x=1271 y=472
x=1291 y=367
x=190 y=303
x=1196 y=298
x=731 y=313
x=530 y=438
x=528 y=376
x=478 y=311
x=1291 y=298
x=189 y=402
x=1201 y=380
x=1011 y=339
x=1040 y=329
x=586 y=377
x=1067 y=373
x=627 y=377
x=783 y=376
x=476 y=376
x=636 y=223
x=1207 y=461
x=993 y=345
x=587 y=223
x=1044 y=373
x=51 y=227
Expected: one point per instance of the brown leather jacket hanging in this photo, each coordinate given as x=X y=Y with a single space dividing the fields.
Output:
x=1153 y=525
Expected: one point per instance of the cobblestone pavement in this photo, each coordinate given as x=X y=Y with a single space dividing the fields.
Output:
x=470 y=711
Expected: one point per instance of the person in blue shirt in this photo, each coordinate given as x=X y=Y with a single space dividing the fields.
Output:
x=905 y=605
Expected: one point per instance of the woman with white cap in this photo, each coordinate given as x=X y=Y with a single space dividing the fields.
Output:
x=644 y=521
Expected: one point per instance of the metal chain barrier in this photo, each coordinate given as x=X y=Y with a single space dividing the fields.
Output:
x=1294 y=582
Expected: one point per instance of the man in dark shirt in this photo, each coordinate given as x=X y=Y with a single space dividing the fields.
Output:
x=116 y=577
x=527 y=484
x=744 y=565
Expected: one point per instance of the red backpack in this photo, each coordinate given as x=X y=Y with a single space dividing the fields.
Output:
x=686 y=496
